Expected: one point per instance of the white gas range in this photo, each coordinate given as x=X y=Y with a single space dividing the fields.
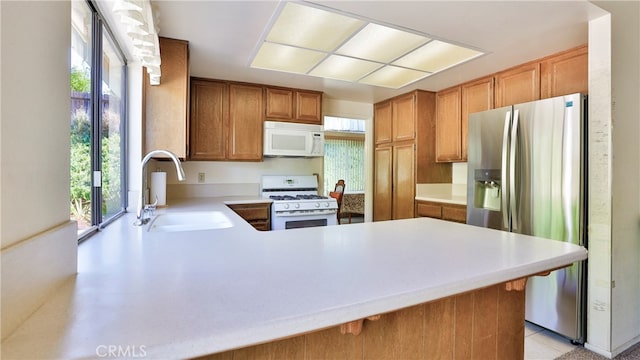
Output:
x=296 y=202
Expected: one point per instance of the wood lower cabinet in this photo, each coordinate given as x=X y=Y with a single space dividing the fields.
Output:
x=518 y=85
x=293 y=105
x=565 y=73
x=226 y=121
x=166 y=106
x=444 y=211
x=256 y=214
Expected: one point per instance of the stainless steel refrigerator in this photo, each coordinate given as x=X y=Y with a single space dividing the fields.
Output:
x=526 y=174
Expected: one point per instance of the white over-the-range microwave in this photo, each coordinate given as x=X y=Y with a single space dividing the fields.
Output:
x=291 y=139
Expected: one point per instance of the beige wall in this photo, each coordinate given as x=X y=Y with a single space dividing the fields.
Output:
x=38 y=241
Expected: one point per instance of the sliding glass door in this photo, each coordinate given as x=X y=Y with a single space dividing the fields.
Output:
x=98 y=108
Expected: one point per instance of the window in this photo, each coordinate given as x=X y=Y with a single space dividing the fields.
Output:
x=344 y=153
x=98 y=83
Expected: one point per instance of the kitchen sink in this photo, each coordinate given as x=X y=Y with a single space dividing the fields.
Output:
x=190 y=221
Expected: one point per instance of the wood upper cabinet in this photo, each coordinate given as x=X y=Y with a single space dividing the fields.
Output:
x=246 y=109
x=382 y=118
x=404 y=117
x=279 y=104
x=452 y=120
x=226 y=121
x=209 y=110
x=476 y=96
x=293 y=105
x=166 y=106
x=448 y=125
x=518 y=85
x=565 y=73
x=309 y=107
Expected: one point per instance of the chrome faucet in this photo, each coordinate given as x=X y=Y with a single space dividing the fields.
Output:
x=142 y=207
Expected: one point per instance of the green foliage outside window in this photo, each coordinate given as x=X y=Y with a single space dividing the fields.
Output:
x=80 y=175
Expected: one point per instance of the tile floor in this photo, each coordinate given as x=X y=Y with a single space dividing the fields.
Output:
x=542 y=344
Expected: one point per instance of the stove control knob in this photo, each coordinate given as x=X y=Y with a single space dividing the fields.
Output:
x=326 y=204
x=297 y=206
x=317 y=205
x=286 y=206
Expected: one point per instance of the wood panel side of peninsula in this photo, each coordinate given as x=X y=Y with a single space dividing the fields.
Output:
x=487 y=323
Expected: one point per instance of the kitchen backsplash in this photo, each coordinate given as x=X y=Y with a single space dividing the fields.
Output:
x=459 y=173
x=226 y=178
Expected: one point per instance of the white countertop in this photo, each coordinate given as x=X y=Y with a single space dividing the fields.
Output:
x=444 y=193
x=179 y=295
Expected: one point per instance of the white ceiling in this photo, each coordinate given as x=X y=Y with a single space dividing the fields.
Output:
x=223 y=36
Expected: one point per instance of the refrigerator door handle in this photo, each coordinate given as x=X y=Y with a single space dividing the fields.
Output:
x=505 y=168
x=515 y=220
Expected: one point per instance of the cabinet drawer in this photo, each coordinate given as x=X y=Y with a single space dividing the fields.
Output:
x=262 y=225
x=429 y=210
x=456 y=213
x=252 y=212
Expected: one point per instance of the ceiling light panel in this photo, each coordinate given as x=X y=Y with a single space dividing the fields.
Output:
x=393 y=77
x=344 y=68
x=312 y=28
x=286 y=58
x=381 y=43
x=436 y=56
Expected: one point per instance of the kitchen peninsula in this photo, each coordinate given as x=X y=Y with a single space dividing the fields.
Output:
x=189 y=294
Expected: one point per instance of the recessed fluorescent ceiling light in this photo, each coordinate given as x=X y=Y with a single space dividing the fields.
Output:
x=393 y=77
x=436 y=56
x=344 y=68
x=310 y=40
x=286 y=58
x=381 y=43
x=312 y=28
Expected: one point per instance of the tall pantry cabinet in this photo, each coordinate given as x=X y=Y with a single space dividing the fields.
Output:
x=404 y=132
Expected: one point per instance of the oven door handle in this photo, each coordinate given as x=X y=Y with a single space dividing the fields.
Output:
x=295 y=214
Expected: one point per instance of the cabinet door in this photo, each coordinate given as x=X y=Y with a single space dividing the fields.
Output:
x=404 y=184
x=518 y=85
x=279 y=103
x=448 y=126
x=453 y=212
x=208 y=139
x=382 y=184
x=428 y=209
x=476 y=96
x=246 y=107
x=165 y=108
x=403 y=117
x=564 y=74
x=382 y=117
x=308 y=107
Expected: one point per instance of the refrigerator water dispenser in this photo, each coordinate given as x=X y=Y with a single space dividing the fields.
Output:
x=487 y=192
